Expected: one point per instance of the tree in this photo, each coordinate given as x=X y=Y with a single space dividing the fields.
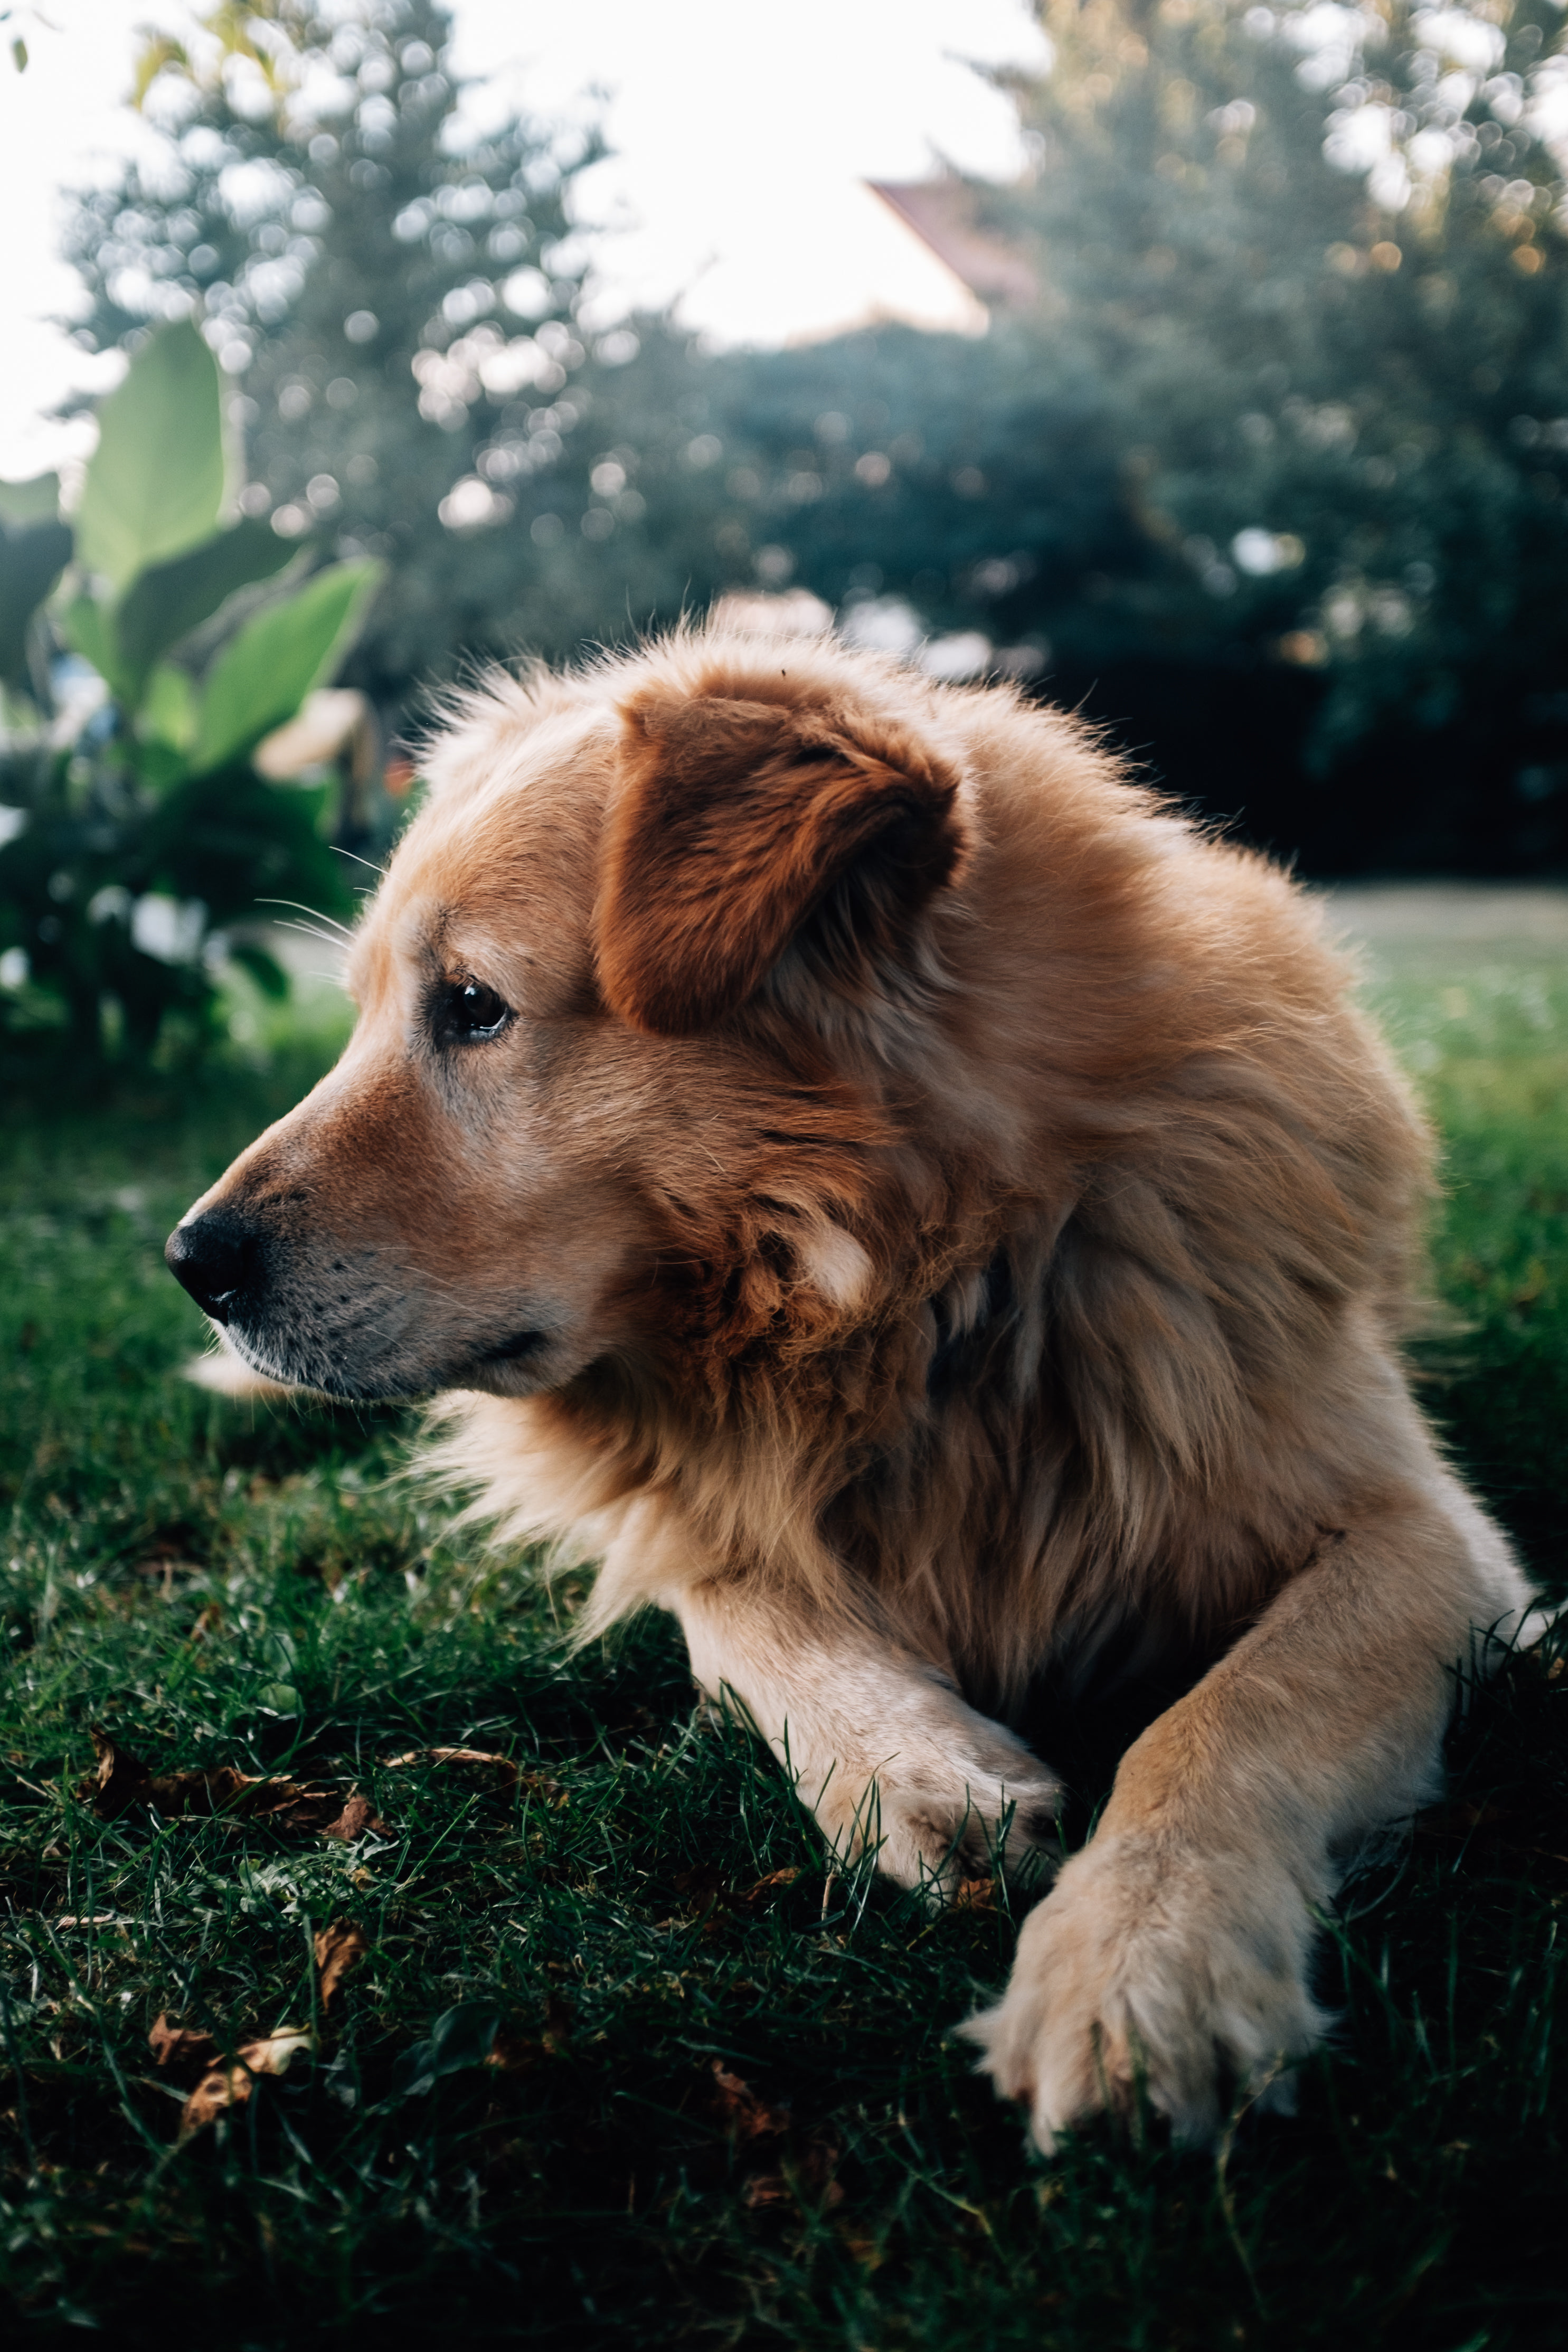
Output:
x=1316 y=261
x=396 y=293
x=1276 y=467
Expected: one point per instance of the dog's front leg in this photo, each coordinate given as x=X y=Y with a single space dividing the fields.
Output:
x=1173 y=1950
x=879 y=1744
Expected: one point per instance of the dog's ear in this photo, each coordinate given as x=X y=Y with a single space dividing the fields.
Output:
x=732 y=821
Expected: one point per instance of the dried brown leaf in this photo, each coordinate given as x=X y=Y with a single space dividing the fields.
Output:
x=975 y=1894
x=286 y=1805
x=121 y=1780
x=338 y=1948
x=513 y=2053
x=180 y=2045
x=230 y=2083
x=742 y=2113
x=810 y=2180
x=358 y=1818
x=773 y=1878
x=504 y=1768
x=117 y=1780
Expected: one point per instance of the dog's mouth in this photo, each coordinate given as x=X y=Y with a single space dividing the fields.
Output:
x=515 y=1351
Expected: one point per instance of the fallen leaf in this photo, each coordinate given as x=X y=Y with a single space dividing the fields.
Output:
x=118 y=1779
x=485 y=1757
x=338 y=1948
x=812 y=2178
x=744 y=2114
x=773 y=1878
x=975 y=1894
x=514 y=2053
x=230 y=2083
x=180 y=2045
x=121 y=1780
x=357 y=1818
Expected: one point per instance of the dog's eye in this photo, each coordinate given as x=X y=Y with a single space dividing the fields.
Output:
x=467 y=1012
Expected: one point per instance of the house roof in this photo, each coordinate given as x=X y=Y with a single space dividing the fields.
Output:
x=942 y=213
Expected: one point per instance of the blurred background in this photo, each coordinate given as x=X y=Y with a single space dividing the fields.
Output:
x=1198 y=365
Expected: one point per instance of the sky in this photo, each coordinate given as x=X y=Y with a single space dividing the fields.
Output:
x=743 y=136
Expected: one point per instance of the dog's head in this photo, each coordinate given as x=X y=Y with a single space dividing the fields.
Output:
x=599 y=1102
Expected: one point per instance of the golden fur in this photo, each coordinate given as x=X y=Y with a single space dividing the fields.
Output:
x=929 y=1215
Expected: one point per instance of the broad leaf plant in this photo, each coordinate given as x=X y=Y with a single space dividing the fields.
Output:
x=135 y=833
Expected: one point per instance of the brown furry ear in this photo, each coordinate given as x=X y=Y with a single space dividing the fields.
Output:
x=732 y=821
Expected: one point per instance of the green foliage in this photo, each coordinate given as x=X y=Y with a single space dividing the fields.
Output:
x=645 y=1904
x=271 y=665
x=398 y=293
x=35 y=548
x=1274 y=471
x=1270 y=480
x=132 y=844
x=1332 y=378
x=167 y=601
x=156 y=481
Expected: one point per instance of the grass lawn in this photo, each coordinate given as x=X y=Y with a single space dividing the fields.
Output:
x=620 y=2064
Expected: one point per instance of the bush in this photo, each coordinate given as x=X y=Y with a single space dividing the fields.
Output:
x=135 y=825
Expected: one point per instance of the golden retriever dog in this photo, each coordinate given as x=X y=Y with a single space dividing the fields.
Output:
x=899 y=1196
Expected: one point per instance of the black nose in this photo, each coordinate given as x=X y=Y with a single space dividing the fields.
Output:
x=215 y=1257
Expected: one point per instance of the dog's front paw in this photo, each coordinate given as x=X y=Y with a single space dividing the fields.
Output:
x=1156 y=1968
x=934 y=1834
x=935 y=1817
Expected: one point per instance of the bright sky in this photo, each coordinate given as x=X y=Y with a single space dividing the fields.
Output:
x=744 y=135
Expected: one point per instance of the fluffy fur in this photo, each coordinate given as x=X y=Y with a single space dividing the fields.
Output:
x=932 y=1218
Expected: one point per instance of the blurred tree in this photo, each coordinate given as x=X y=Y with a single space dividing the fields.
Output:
x=1315 y=259
x=394 y=285
x=1274 y=471
x=1277 y=468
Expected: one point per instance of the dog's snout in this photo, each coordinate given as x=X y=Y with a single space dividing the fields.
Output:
x=215 y=1255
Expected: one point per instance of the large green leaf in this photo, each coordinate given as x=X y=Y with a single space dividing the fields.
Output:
x=264 y=674
x=84 y=624
x=168 y=713
x=36 y=499
x=31 y=561
x=166 y=602
x=155 y=483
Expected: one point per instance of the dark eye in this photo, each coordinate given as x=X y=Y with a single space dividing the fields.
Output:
x=467 y=1012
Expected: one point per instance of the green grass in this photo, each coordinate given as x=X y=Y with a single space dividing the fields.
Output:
x=645 y=1905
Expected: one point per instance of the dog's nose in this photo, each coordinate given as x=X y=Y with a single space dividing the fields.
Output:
x=215 y=1257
